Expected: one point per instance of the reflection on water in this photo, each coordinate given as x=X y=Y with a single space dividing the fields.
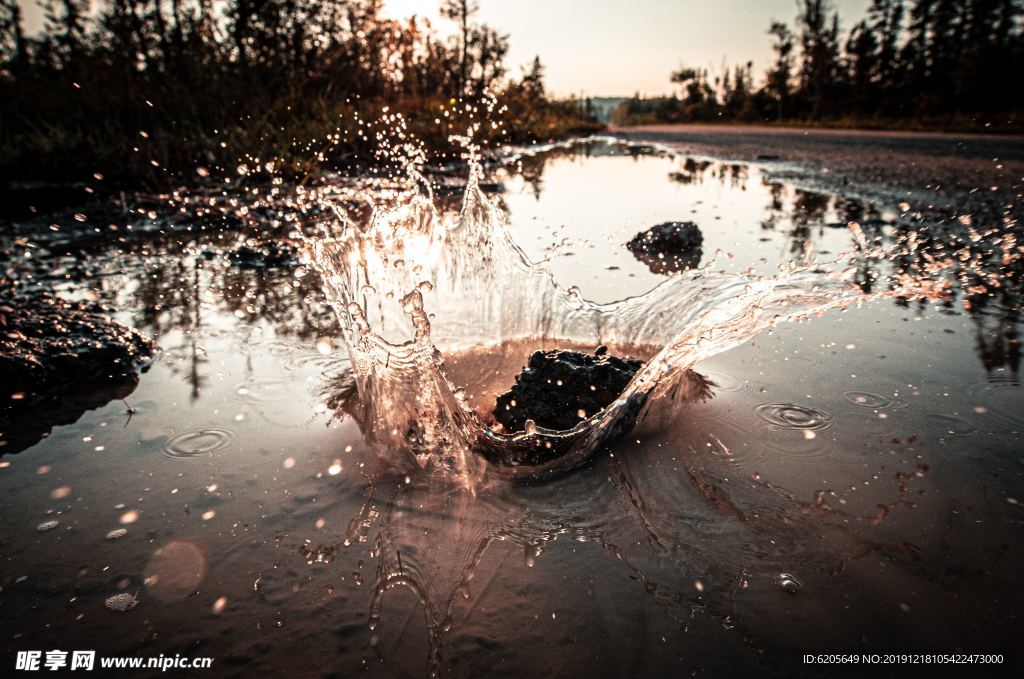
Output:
x=871 y=457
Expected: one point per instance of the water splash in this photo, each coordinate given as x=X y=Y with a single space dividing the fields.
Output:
x=414 y=288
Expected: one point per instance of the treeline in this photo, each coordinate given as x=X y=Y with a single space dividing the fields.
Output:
x=929 y=63
x=137 y=89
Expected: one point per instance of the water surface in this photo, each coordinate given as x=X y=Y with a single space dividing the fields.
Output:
x=853 y=484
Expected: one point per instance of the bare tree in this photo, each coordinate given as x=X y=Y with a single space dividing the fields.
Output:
x=460 y=12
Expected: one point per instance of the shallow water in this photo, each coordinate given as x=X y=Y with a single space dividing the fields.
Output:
x=871 y=456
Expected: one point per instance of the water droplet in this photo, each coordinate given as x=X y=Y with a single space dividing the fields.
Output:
x=60 y=493
x=789 y=583
x=325 y=345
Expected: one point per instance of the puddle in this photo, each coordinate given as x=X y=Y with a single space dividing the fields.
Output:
x=716 y=533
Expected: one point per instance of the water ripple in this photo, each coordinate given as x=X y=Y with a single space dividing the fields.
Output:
x=262 y=390
x=198 y=442
x=724 y=382
x=949 y=426
x=792 y=416
x=997 y=401
x=867 y=399
x=331 y=364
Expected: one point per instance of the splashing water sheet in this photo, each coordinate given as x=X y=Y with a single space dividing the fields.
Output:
x=810 y=459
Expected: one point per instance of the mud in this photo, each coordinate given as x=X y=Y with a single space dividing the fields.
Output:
x=59 y=358
x=559 y=389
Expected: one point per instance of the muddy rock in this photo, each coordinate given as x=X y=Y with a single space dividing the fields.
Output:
x=559 y=389
x=668 y=248
x=53 y=353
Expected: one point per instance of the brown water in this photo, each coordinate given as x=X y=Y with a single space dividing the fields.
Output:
x=871 y=457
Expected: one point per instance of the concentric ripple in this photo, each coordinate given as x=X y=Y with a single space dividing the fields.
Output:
x=325 y=363
x=867 y=399
x=262 y=390
x=949 y=426
x=198 y=442
x=724 y=382
x=795 y=417
x=996 y=400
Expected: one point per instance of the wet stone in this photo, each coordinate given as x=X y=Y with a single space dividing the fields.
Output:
x=669 y=247
x=48 y=342
x=122 y=603
x=559 y=389
x=54 y=350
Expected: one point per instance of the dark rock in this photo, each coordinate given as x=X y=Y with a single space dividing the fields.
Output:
x=768 y=156
x=668 y=248
x=54 y=352
x=557 y=386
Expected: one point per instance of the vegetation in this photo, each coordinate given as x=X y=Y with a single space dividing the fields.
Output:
x=140 y=89
x=920 y=63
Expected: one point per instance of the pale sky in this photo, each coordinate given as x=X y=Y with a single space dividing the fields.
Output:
x=615 y=48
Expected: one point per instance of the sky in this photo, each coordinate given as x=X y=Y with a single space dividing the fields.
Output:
x=616 y=48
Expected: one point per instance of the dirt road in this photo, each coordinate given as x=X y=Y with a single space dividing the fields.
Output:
x=946 y=174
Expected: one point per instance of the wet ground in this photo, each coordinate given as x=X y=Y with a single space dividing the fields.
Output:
x=854 y=484
x=943 y=174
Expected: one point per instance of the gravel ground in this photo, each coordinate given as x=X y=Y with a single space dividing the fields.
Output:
x=943 y=175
